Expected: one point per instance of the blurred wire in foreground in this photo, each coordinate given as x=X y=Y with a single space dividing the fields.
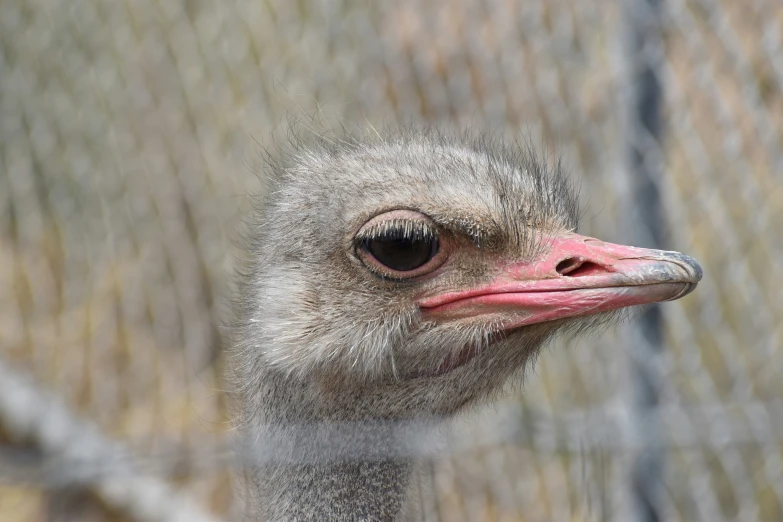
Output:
x=80 y=450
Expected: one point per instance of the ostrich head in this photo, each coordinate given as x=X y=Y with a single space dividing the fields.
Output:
x=416 y=274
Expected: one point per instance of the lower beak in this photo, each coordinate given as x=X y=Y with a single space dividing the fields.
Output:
x=577 y=276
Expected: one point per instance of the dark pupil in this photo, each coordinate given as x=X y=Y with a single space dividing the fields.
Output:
x=403 y=254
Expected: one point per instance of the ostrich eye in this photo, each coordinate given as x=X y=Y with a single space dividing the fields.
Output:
x=401 y=244
x=402 y=254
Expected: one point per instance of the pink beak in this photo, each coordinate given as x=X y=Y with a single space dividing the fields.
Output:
x=578 y=276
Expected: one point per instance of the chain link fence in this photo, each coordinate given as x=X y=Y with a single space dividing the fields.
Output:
x=129 y=139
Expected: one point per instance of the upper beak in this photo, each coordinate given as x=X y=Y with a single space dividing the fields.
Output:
x=577 y=276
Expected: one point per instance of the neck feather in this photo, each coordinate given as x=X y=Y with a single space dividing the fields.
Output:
x=320 y=462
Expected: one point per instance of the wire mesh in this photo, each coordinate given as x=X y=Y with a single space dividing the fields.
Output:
x=128 y=140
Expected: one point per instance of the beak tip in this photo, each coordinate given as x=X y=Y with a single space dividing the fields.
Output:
x=691 y=266
x=691 y=272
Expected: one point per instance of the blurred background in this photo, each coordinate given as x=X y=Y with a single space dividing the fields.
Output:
x=130 y=134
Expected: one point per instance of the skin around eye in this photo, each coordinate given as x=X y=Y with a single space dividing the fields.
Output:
x=400 y=244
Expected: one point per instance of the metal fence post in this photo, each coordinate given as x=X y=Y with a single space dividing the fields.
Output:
x=644 y=52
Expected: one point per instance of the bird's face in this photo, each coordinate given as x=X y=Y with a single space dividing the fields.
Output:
x=427 y=273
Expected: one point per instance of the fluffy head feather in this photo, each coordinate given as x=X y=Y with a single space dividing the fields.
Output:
x=311 y=310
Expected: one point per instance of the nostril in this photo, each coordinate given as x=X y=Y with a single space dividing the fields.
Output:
x=578 y=267
x=566 y=266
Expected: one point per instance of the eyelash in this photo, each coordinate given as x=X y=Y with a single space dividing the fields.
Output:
x=397 y=229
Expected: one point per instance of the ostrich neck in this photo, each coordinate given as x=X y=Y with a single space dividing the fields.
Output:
x=366 y=491
x=323 y=461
